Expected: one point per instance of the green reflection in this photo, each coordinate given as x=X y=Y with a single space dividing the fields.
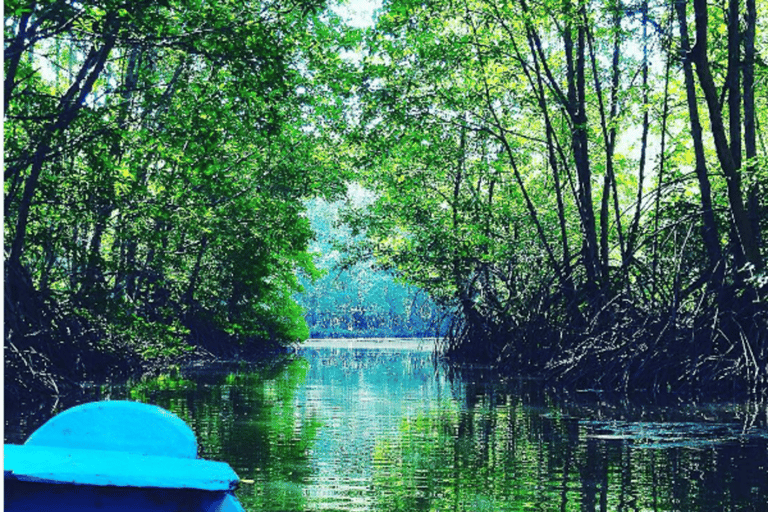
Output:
x=397 y=436
x=248 y=419
x=507 y=457
x=474 y=460
x=141 y=390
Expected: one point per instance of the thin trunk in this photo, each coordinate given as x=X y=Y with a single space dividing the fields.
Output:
x=195 y=277
x=105 y=207
x=538 y=87
x=608 y=127
x=733 y=82
x=94 y=276
x=70 y=105
x=633 y=230
x=561 y=218
x=750 y=129
x=574 y=103
x=660 y=177
x=580 y=146
x=130 y=269
x=563 y=279
x=130 y=81
x=13 y=53
x=458 y=274
x=501 y=137
x=709 y=226
x=747 y=242
x=562 y=98
x=732 y=87
x=49 y=260
x=534 y=36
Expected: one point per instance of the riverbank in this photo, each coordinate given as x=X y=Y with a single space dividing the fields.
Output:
x=643 y=358
x=705 y=355
x=41 y=370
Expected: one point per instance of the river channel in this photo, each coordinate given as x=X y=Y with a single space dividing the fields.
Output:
x=383 y=425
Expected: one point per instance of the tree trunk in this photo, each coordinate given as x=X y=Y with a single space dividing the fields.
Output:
x=733 y=82
x=747 y=242
x=71 y=103
x=709 y=226
x=539 y=90
x=608 y=128
x=13 y=55
x=189 y=295
x=662 y=160
x=634 y=227
x=750 y=129
x=580 y=145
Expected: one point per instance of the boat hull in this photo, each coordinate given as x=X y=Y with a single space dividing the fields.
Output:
x=115 y=456
x=46 y=497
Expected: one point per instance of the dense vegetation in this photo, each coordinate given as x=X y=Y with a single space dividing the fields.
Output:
x=156 y=159
x=582 y=182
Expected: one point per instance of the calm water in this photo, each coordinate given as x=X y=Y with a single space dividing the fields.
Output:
x=380 y=426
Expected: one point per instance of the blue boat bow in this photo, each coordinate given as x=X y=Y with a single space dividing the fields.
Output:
x=115 y=455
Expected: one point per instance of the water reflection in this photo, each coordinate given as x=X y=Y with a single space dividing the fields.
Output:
x=379 y=426
x=397 y=434
x=252 y=419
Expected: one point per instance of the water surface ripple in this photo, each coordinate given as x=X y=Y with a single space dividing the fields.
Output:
x=378 y=425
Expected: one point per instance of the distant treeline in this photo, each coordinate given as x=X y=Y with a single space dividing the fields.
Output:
x=353 y=300
x=362 y=325
x=420 y=318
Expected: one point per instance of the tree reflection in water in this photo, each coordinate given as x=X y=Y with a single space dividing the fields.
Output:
x=382 y=426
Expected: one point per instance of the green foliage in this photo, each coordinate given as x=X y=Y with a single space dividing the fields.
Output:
x=157 y=159
x=163 y=383
x=152 y=340
x=515 y=153
x=534 y=166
